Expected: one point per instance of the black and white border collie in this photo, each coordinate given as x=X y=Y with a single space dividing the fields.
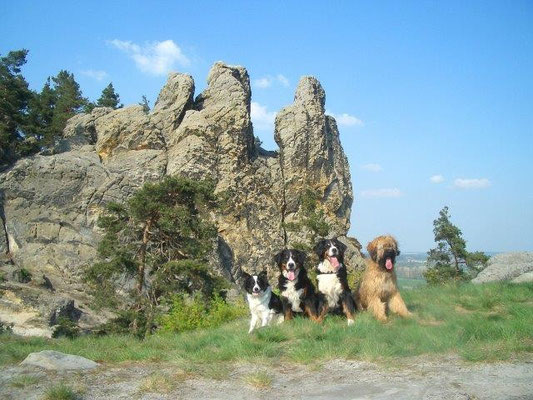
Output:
x=298 y=295
x=265 y=306
x=332 y=278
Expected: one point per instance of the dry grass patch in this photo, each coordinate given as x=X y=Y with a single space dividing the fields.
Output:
x=162 y=382
x=259 y=380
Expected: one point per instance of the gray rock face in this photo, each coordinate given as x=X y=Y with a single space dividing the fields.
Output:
x=51 y=202
x=54 y=360
x=311 y=157
x=514 y=267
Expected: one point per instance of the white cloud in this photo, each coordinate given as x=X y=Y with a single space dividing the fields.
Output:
x=263 y=82
x=261 y=117
x=436 y=179
x=372 y=167
x=345 y=119
x=283 y=80
x=268 y=81
x=155 y=58
x=95 y=74
x=381 y=193
x=474 y=183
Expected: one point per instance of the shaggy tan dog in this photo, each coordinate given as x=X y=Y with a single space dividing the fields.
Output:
x=379 y=290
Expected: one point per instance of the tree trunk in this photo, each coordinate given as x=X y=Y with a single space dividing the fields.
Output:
x=142 y=256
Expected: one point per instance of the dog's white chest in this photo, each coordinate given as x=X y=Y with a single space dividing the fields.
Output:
x=259 y=305
x=293 y=296
x=331 y=287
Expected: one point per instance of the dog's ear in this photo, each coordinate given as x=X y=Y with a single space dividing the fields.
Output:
x=341 y=246
x=277 y=257
x=397 y=247
x=245 y=278
x=319 y=248
x=372 y=249
x=300 y=256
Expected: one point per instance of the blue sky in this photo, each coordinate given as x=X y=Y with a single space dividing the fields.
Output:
x=434 y=99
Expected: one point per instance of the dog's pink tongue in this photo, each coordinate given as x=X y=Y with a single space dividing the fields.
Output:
x=291 y=276
x=334 y=262
x=388 y=263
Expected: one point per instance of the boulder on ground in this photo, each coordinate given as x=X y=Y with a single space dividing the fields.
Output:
x=55 y=360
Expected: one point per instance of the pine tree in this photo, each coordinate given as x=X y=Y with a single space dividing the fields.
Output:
x=40 y=114
x=109 y=98
x=450 y=260
x=161 y=237
x=69 y=101
x=14 y=99
x=145 y=103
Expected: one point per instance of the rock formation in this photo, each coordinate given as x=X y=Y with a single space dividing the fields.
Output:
x=514 y=267
x=49 y=203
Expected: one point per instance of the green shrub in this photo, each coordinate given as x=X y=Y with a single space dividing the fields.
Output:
x=127 y=322
x=5 y=328
x=66 y=328
x=442 y=275
x=22 y=275
x=189 y=313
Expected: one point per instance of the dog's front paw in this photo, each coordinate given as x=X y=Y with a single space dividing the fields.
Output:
x=351 y=322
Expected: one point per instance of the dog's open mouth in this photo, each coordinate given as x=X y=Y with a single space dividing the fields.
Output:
x=291 y=275
x=334 y=262
x=389 y=264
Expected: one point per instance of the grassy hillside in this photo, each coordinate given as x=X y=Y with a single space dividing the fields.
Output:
x=486 y=322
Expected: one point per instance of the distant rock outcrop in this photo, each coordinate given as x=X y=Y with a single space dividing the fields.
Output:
x=514 y=267
x=49 y=203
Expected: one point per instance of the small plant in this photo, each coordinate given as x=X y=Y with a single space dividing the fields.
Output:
x=313 y=219
x=259 y=380
x=3 y=276
x=22 y=275
x=60 y=392
x=23 y=381
x=5 y=328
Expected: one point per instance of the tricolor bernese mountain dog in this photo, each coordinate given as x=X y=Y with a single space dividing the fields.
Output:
x=265 y=306
x=298 y=295
x=332 y=278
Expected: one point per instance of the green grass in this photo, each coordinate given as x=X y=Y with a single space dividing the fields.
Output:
x=410 y=283
x=478 y=322
x=23 y=381
x=60 y=392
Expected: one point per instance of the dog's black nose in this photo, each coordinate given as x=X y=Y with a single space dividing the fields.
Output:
x=256 y=289
x=290 y=265
x=334 y=251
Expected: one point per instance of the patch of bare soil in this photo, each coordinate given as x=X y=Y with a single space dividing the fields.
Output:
x=414 y=378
